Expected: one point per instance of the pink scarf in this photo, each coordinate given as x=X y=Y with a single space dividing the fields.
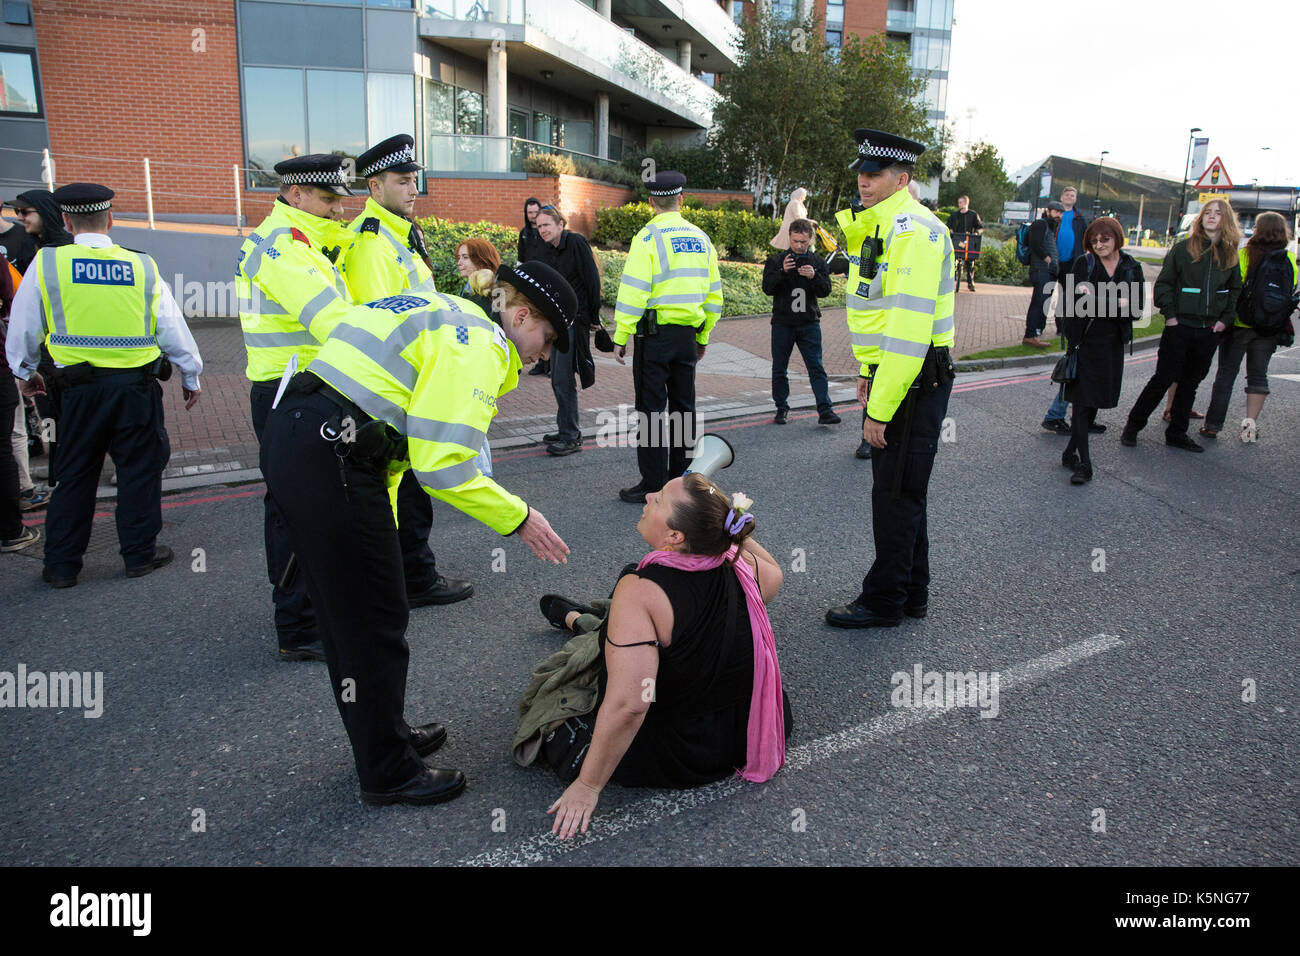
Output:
x=765 y=744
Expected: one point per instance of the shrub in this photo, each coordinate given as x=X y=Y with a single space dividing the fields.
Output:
x=997 y=263
x=550 y=164
x=606 y=173
x=442 y=237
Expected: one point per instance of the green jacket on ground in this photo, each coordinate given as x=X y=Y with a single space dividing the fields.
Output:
x=564 y=685
x=1199 y=292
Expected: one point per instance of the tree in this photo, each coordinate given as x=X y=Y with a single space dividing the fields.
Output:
x=982 y=176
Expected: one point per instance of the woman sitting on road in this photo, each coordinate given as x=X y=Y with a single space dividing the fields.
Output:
x=689 y=688
x=471 y=256
x=1242 y=340
x=1108 y=296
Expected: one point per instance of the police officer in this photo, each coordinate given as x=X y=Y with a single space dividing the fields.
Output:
x=670 y=297
x=107 y=319
x=901 y=334
x=417 y=381
x=854 y=223
x=386 y=257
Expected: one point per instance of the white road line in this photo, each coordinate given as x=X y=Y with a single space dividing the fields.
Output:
x=544 y=847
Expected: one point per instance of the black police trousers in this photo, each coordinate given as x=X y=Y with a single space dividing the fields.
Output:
x=339 y=522
x=120 y=414
x=663 y=369
x=295 y=619
x=900 y=574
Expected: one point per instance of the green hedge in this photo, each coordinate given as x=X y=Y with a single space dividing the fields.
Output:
x=443 y=237
x=737 y=234
x=997 y=263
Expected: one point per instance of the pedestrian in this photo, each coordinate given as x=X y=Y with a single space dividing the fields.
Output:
x=569 y=254
x=376 y=399
x=291 y=295
x=387 y=258
x=474 y=255
x=531 y=246
x=1044 y=266
x=19 y=246
x=14 y=535
x=906 y=375
x=1261 y=319
x=1102 y=295
x=1069 y=244
x=29 y=496
x=794 y=209
x=963 y=224
x=90 y=302
x=796 y=279
x=1197 y=293
x=670 y=297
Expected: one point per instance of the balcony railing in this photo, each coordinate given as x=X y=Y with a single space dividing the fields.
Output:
x=465 y=153
x=901 y=20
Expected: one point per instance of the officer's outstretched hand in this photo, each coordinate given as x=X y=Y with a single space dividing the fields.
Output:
x=546 y=544
x=619 y=352
x=191 y=397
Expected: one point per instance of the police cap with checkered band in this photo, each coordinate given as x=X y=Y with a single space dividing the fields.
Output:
x=667 y=183
x=547 y=289
x=81 y=199
x=323 y=170
x=877 y=150
x=394 y=155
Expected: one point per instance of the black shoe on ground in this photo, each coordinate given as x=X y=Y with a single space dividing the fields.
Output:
x=303 y=652
x=556 y=608
x=551 y=438
x=540 y=368
x=1096 y=429
x=54 y=582
x=432 y=786
x=636 y=494
x=1058 y=425
x=1183 y=442
x=1070 y=459
x=559 y=449
x=427 y=738
x=1128 y=438
x=916 y=610
x=864 y=450
x=25 y=540
x=854 y=614
x=828 y=418
x=1082 y=474
x=445 y=590
x=781 y=416
x=162 y=556
x=970 y=286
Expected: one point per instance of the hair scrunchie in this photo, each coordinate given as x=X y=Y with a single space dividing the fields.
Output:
x=738 y=516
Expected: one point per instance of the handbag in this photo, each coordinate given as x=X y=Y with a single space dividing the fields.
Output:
x=1067 y=366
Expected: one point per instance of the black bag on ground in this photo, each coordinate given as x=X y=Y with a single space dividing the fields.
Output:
x=1269 y=295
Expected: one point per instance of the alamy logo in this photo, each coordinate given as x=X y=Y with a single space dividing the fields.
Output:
x=57 y=690
x=946 y=690
x=74 y=909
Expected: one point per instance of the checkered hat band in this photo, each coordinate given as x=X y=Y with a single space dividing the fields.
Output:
x=86 y=207
x=666 y=192
x=405 y=155
x=542 y=289
x=889 y=152
x=330 y=178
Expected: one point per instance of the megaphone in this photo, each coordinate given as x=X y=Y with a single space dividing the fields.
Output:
x=712 y=454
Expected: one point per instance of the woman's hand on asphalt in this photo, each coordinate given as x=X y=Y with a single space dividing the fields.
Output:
x=573 y=810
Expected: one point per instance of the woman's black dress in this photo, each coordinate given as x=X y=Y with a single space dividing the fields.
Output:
x=1101 y=354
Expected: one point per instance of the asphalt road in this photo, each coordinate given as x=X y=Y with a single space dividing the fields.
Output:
x=1121 y=690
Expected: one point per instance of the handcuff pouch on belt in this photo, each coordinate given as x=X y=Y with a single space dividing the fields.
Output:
x=649 y=324
x=937 y=369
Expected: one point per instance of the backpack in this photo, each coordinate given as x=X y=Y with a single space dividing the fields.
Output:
x=1268 y=298
x=1022 y=244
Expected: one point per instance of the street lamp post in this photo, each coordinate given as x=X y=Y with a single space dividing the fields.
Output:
x=1096 y=202
x=1182 y=195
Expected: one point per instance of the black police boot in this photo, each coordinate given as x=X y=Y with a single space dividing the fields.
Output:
x=162 y=556
x=427 y=738
x=444 y=590
x=431 y=786
x=864 y=450
x=854 y=614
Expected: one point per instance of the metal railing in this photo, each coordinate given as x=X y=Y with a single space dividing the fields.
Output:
x=469 y=153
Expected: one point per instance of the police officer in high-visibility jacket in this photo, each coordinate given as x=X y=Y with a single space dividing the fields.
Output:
x=855 y=224
x=418 y=381
x=107 y=319
x=901 y=338
x=387 y=256
x=670 y=298
x=291 y=294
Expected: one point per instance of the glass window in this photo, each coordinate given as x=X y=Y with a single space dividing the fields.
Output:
x=390 y=105
x=400 y=4
x=543 y=127
x=276 y=120
x=580 y=135
x=439 y=124
x=469 y=112
x=834 y=39
x=834 y=12
x=738 y=13
x=336 y=112
x=616 y=143
x=920 y=51
x=18 y=93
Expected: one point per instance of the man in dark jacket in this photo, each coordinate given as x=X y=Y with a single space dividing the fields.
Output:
x=531 y=245
x=42 y=218
x=1044 y=263
x=19 y=247
x=965 y=222
x=796 y=279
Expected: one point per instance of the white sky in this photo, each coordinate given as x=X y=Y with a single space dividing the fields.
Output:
x=1143 y=72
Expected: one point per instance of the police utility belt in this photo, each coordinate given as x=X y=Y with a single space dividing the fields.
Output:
x=649 y=325
x=83 y=373
x=375 y=442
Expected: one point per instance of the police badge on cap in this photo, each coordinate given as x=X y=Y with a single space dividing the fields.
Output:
x=877 y=150
x=394 y=155
x=80 y=199
x=316 y=169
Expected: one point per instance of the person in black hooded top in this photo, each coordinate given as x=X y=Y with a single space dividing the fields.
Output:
x=531 y=245
x=43 y=220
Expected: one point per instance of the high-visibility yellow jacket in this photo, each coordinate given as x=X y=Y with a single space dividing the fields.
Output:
x=380 y=260
x=908 y=305
x=672 y=267
x=857 y=227
x=433 y=367
x=101 y=305
x=290 y=292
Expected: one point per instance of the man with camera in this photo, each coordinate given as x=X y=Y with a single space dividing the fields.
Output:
x=796 y=279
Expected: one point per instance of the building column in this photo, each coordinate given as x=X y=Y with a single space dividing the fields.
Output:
x=684 y=54
x=805 y=9
x=497 y=119
x=602 y=125
x=605 y=8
